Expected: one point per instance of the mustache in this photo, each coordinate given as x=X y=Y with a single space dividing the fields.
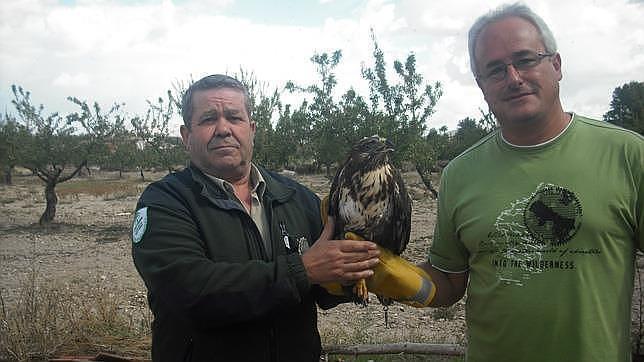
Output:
x=511 y=93
x=217 y=142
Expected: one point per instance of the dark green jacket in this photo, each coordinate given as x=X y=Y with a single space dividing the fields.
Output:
x=214 y=292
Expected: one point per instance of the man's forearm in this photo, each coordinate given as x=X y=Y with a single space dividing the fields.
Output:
x=450 y=287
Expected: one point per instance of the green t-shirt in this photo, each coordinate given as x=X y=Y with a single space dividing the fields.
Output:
x=548 y=234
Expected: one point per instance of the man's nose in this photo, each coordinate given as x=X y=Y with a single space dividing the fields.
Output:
x=512 y=75
x=222 y=128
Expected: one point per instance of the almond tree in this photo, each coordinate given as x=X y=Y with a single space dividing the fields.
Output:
x=262 y=103
x=401 y=110
x=293 y=130
x=13 y=136
x=153 y=129
x=329 y=140
x=99 y=128
x=54 y=151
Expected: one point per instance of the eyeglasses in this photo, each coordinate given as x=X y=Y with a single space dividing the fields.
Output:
x=521 y=63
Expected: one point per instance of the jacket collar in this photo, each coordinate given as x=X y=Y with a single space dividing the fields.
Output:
x=275 y=190
x=257 y=182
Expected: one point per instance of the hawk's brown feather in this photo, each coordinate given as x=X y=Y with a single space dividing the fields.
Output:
x=368 y=197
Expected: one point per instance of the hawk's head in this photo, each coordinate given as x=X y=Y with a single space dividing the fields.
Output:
x=369 y=153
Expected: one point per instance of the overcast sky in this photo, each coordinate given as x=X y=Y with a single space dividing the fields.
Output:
x=130 y=51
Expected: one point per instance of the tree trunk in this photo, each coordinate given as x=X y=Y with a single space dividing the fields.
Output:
x=141 y=172
x=52 y=200
x=424 y=176
x=120 y=173
x=8 y=180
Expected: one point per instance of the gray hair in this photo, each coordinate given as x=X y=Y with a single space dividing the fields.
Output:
x=214 y=81
x=505 y=11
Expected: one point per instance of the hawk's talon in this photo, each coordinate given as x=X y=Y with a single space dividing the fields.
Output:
x=361 y=292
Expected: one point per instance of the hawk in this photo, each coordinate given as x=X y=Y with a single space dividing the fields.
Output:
x=368 y=197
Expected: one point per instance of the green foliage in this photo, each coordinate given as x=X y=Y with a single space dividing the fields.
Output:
x=102 y=130
x=317 y=133
x=293 y=134
x=53 y=145
x=263 y=104
x=448 y=145
x=121 y=152
x=329 y=130
x=468 y=132
x=13 y=137
x=627 y=107
x=439 y=141
x=357 y=117
x=54 y=150
x=487 y=122
x=179 y=88
x=400 y=110
x=158 y=147
x=406 y=105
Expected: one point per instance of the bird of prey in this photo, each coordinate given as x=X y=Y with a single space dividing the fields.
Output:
x=368 y=197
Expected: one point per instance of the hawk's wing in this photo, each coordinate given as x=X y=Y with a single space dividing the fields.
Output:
x=334 y=201
x=400 y=224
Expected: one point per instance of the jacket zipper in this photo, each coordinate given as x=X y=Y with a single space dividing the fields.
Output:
x=252 y=234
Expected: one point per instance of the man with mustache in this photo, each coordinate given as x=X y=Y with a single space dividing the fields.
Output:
x=540 y=219
x=231 y=253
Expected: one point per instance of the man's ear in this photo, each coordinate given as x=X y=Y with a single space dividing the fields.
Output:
x=185 y=135
x=556 y=62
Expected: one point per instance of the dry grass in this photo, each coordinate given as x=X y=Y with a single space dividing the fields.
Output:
x=106 y=189
x=49 y=319
x=52 y=317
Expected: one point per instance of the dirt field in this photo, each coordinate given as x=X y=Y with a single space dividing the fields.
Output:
x=89 y=246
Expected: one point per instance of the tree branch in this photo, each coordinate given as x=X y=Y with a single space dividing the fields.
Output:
x=76 y=171
x=41 y=174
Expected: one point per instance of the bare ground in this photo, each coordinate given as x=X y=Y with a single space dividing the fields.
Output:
x=89 y=246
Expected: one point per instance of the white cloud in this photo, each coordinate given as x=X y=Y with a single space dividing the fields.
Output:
x=69 y=80
x=111 y=52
